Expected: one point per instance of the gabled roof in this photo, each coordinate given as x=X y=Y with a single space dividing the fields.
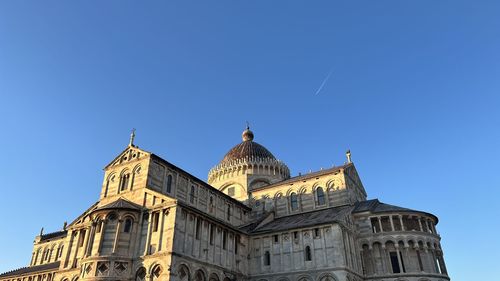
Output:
x=306 y=176
x=128 y=154
x=31 y=269
x=375 y=206
x=121 y=203
x=308 y=219
x=57 y=234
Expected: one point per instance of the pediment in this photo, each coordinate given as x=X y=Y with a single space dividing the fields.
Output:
x=131 y=153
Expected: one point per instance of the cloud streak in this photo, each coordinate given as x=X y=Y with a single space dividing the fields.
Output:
x=324 y=82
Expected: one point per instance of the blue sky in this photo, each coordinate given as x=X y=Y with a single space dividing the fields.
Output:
x=414 y=92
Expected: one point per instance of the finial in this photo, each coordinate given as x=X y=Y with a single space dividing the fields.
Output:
x=41 y=231
x=248 y=125
x=247 y=135
x=132 y=137
x=348 y=154
x=65 y=225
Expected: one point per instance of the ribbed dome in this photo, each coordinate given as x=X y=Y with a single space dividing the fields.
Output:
x=247 y=149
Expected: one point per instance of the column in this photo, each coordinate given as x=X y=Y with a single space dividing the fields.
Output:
x=384 y=257
x=117 y=235
x=401 y=222
x=148 y=238
x=160 y=236
x=392 y=223
x=86 y=241
x=137 y=234
x=380 y=224
x=420 y=224
x=101 y=236
x=88 y=249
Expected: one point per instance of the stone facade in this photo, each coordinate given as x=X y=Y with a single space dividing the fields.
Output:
x=251 y=221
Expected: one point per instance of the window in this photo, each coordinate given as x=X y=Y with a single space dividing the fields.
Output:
x=198 y=229
x=212 y=234
x=267 y=258
x=295 y=235
x=228 y=211
x=82 y=238
x=236 y=242
x=156 y=220
x=230 y=191
x=128 y=226
x=169 y=183
x=192 y=195
x=420 y=264
x=308 y=253
x=394 y=262
x=294 y=202
x=276 y=238
x=317 y=233
x=124 y=181
x=320 y=196
x=60 y=251
x=224 y=240
x=211 y=204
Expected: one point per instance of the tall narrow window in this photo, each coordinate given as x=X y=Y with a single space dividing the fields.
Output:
x=228 y=211
x=124 y=181
x=224 y=239
x=294 y=202
x=127 y=227
x=276 y=238
x=211 y=205
x=198 y=228
x=267 y=258
x=212 y=234
x=317 y=233
x=320 y=196
x=156 y=220
x=192 y=195
x=169 y=183
x=394 y=262
x=420 y=264
x=236 y=243
x=60 y=251
x=308 y=253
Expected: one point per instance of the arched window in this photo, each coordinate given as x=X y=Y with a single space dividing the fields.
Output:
x=192 y=195
x=320 y=196
x=294 y=201
x=308 y=253
x=199 y=276
x=124 y=181
x=156 y=272
x=183 y=273
x=267 y=258
x=169 y=183
x=128 y=226
x=141 y=274
x=61 y=248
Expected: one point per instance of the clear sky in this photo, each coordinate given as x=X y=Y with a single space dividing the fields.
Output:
x=413 y=90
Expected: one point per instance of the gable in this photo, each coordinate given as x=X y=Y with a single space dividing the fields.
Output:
x=131 y=153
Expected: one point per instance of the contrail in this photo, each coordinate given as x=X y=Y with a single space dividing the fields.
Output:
x=324 y=82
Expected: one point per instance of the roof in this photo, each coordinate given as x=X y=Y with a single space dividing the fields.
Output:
x=120 y=204
x=313 y=218
x=31 y=269
x=306 y=176
x=57 y=234
x=375 y=206
x=247 y=150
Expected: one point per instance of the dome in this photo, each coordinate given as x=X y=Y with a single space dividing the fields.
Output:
x=247 y=149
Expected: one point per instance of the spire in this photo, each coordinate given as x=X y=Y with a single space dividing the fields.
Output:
x=132 y=137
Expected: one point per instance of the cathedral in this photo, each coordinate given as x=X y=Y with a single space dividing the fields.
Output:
x=251 y=220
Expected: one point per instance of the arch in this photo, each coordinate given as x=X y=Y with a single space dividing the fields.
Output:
x=267 y=258
x=304 y=278
x=124 y=180
x=183 y=273
x=213 y=277
x=111 y=216
x=156 y=272
x=302 y=190
x=169 y=183
x=127 y=226
x=320 y=196
x=294 y=201
x=199 y=275
x=140 y=274
x=307 y=254
x=327 y=277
